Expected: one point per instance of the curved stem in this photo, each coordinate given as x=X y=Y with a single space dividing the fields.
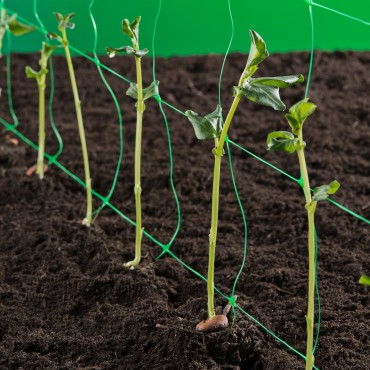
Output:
x=227 y=123
x=81 y=130
x=230 y=115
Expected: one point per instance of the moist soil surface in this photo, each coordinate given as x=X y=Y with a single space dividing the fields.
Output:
x=67 y=302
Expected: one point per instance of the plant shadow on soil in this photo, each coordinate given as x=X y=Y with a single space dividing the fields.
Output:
x=67 y=303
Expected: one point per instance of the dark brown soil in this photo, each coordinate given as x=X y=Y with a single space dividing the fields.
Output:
x=67 y=303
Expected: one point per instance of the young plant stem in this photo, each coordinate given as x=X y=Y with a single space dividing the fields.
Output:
x=41 y=85
x=88 y=218
x=310 y=207
x=213 y=233
x=218 y=152
x=137 y=188
x=227 y=123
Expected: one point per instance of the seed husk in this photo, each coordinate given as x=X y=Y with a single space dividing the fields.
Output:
x=213 y=324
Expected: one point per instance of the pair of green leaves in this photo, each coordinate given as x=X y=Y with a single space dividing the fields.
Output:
x=46 y=52
x=282 y=141
x=148 y=92
x=263 y=90
x=64 y=21
x=132 y=31
x=323 y=191
x=298 y=114
x=288 y=142
x=208 y=127
x=285 y=141
x=126 y=49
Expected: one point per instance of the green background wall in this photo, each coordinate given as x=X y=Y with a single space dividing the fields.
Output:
x=203 y=26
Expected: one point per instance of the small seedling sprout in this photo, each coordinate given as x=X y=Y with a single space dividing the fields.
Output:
x=364 y=280
x=40 y=78
x=64 y=23
x=137 y=92
x=262 y=90
x=291 y=142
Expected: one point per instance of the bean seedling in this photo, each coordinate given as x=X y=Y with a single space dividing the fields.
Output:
x=262 y=90
x=40 y=78
x=290 y=142
x=137 y=92
x=64 y=23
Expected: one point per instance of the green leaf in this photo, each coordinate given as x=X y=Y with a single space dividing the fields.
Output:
x=126 y=49
x=131 y=29
x=208 y=127
x=323 y=191
x=64 y=21
x=261 y=94
x=59 y=16
x=293 y=123
x=6 y=19
x=141 y=53
x=365 y=280
x=17 y=28
x=280 y=81
x=126 y=29
x=135 y=26
x=265 y=90
x=283 y=141
x=301 y=110
x=151 y=90
x=257 y=52
x=215 y=118
x=148 y=92
x=47 y=50
x=132 y=90
x=333 y=187
x=31 y=73
x=53 y=36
